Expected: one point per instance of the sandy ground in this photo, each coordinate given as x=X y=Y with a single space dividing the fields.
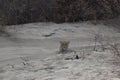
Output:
x=30 y=52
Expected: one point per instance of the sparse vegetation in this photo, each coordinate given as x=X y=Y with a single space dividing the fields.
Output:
x=98 y=41
x=25 y=60
x=115 y=49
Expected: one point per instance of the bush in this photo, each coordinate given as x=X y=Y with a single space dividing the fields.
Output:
x=25 y=11
x=76 y=10
x=21 y=11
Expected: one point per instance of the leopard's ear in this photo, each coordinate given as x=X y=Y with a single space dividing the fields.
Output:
x=61 y=42
x=67 y=42
x=64 y=42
